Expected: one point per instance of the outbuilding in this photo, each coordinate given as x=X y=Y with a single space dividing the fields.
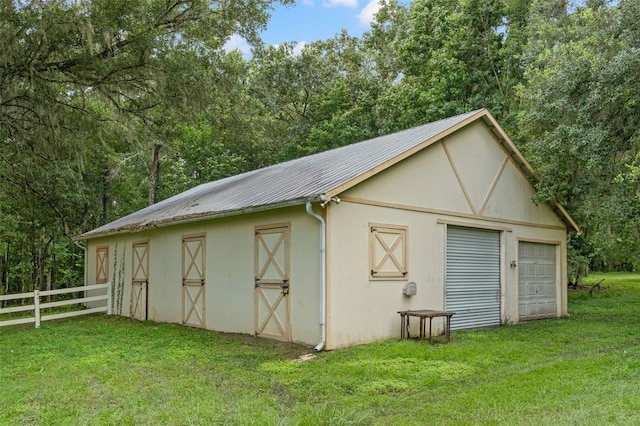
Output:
x=323 y=250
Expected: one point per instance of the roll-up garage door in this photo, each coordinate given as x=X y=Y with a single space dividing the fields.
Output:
x=473 y=277
x=537 y=281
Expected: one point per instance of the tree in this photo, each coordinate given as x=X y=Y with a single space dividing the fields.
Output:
x=86 y=89
x=321 y=98
x=579 y=119
x=452 y=62
x=383 y=42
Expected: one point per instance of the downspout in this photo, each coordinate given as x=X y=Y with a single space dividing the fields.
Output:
x=323 y=277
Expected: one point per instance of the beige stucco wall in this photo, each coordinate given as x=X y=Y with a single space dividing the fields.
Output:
x=466 y=180
x=229 y=270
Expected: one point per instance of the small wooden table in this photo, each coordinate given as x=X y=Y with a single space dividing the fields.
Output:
x=423 y=314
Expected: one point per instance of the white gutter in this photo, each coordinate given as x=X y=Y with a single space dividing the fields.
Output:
x=323 y=277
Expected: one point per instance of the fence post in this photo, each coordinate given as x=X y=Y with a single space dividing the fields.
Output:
x=36 y=306
x=109 y=299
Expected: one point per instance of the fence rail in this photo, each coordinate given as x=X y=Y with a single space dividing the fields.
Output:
x=37 y=307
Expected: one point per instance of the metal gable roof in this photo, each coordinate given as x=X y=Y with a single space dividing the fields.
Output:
x=289 y=183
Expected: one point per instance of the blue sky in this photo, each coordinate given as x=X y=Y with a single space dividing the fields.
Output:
x=311 y=20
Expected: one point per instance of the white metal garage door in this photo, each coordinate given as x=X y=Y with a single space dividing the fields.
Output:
x=473 y=277
x=537 y=281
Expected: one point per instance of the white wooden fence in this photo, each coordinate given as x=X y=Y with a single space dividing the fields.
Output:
x=37 y=306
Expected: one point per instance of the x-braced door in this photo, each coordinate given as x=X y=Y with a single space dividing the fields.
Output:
x=271 y=265
x=193 y=279
x=140 y=281
x=102 y=264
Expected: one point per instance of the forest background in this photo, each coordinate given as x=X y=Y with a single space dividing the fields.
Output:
x=108 y=106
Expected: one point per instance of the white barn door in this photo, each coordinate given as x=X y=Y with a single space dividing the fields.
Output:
x=473 y=277
x=140 y=281
x=271 y=266
x=193 y=281
x=537 y=281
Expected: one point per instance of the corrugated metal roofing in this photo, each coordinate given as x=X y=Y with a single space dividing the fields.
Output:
x=289 y=183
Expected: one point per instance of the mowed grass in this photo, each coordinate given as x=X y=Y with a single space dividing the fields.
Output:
x=582 y=369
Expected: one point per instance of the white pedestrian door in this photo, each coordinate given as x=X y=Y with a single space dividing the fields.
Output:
x=537 y=281
x=140 y=281
x=193 y=280
x=473 y=277
x=271 y=266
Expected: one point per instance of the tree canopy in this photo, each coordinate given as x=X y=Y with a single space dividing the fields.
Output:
x=90 y=93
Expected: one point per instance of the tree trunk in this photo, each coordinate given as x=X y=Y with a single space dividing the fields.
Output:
x=33 y=242
x=53 y=269
x=4 y=274
x=105 y=195
x=41 y=262
x=153 y=173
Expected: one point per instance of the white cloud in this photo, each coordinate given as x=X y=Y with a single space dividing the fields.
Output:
x=367 y=14
x=338 y=3
x=239 y=43
x=297 y=50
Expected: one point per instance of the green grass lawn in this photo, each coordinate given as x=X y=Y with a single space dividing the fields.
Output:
x=582 y=369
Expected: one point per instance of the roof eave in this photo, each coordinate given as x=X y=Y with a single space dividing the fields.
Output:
x=526 y=168
x=571 y=225
x=181 y=220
